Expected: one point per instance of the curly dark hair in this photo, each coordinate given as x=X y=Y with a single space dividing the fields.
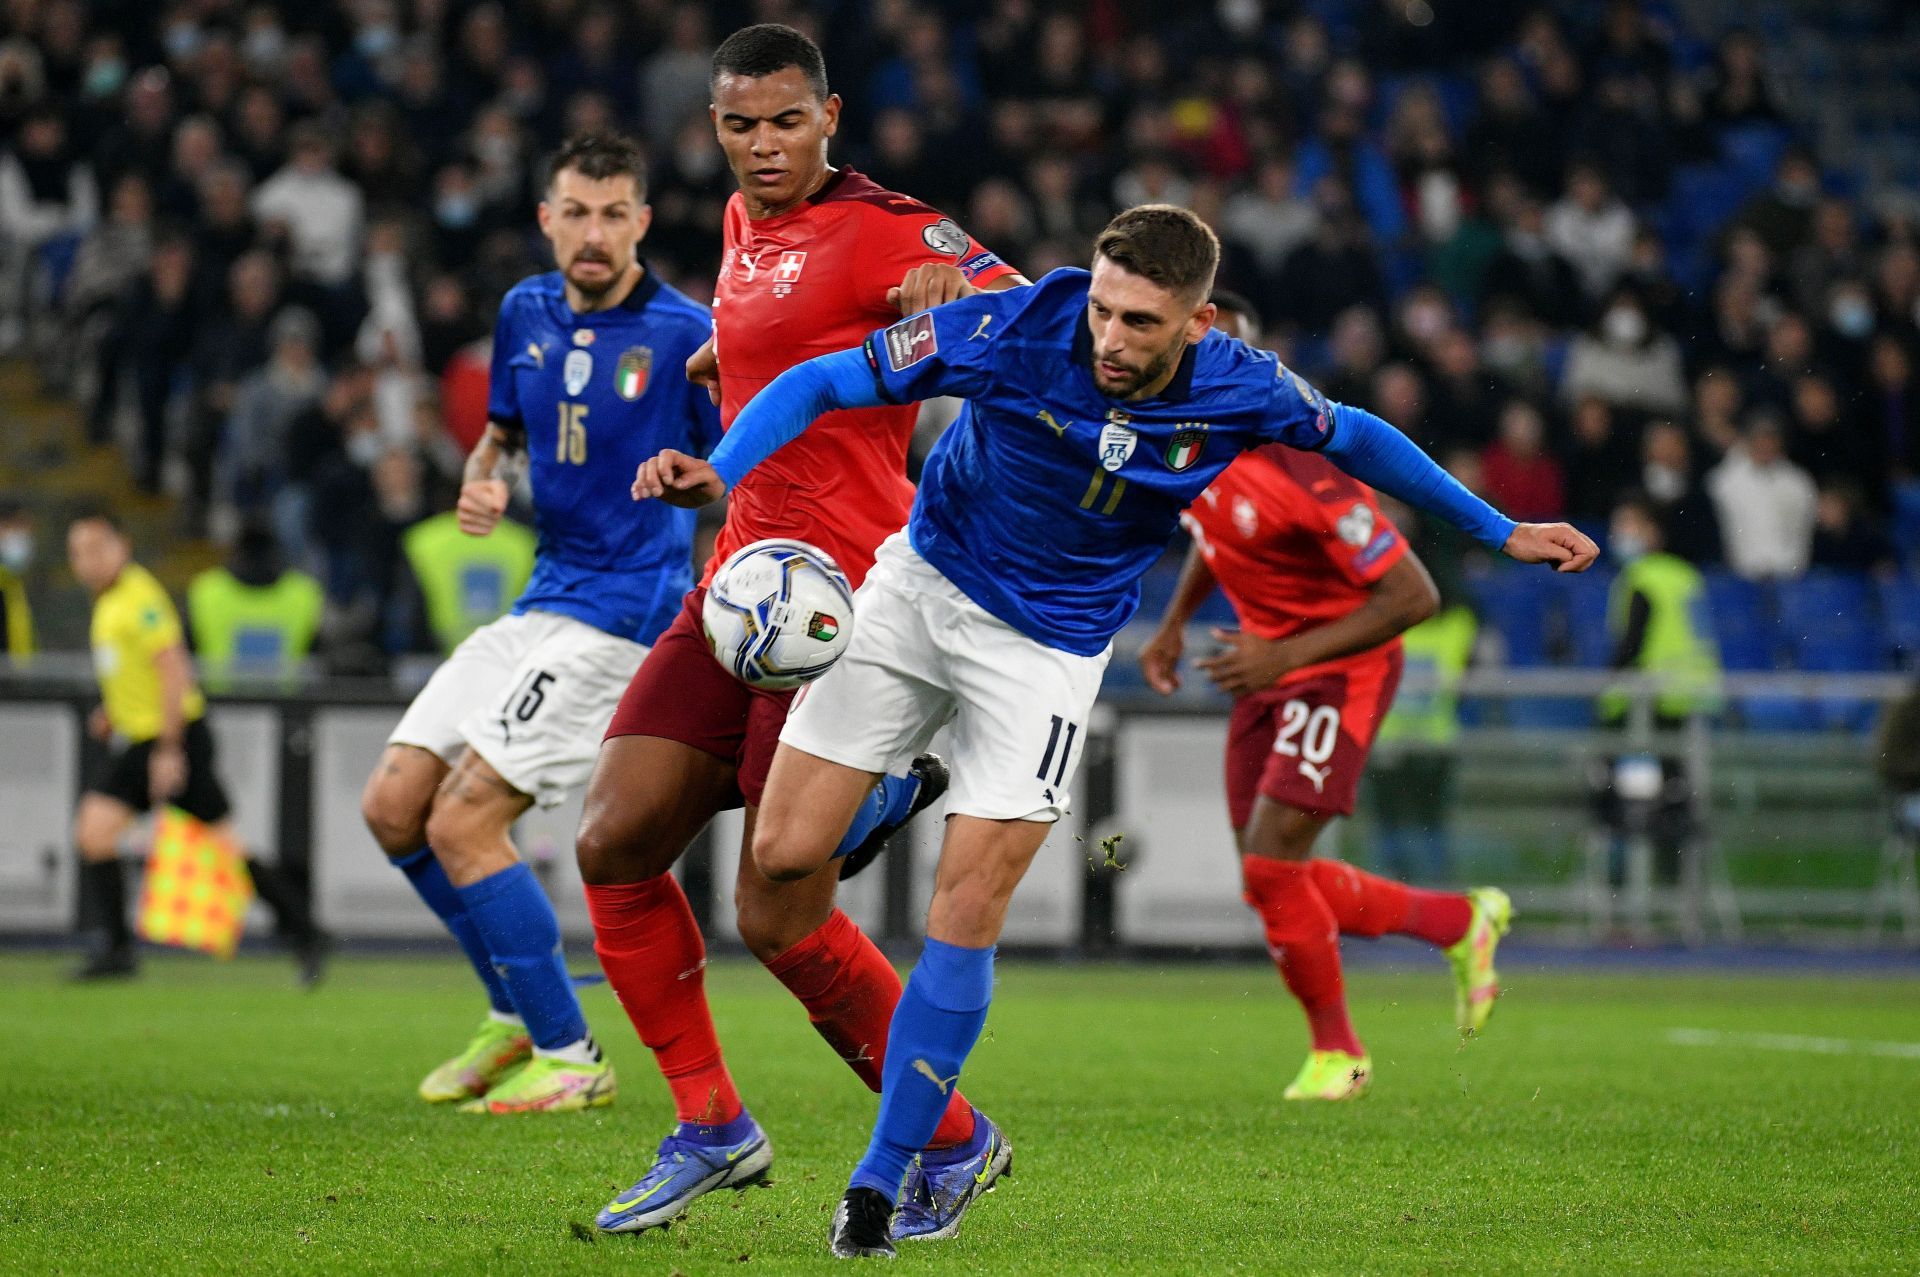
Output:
x=768 y=47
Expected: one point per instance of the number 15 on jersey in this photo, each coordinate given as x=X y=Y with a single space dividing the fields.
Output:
x=572 y=446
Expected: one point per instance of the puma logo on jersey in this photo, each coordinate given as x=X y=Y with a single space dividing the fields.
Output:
x=1318 y=775
x=539 y=354
x=1046 y=419
x=981 y=330
x=926 y=1070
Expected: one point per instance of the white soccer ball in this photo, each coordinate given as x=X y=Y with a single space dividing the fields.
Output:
x=778 y=614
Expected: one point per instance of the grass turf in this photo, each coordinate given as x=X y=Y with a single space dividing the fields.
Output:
x=212 y=1119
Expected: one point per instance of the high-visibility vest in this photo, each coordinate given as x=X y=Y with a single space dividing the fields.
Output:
x=1426 y=709
x=1679 y=645
x=19 y=633
x=257 y=630
x=467 y=582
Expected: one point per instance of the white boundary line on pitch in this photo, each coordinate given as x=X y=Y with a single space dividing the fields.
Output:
x=1794 y=1042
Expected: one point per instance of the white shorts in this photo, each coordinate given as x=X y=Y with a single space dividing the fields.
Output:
x=923 y=655
x=531 y=694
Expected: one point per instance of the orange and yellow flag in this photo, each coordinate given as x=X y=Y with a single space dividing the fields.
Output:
x=197 y=887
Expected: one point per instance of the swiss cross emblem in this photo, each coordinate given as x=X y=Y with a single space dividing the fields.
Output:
x=787 y=273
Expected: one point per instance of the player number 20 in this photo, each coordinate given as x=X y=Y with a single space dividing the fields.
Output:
x=572 y=447
x=1308 y=732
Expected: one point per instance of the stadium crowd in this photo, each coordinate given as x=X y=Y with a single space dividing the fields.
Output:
x=1570 y=249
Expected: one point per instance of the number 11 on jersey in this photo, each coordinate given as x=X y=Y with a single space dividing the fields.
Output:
x=572 y=446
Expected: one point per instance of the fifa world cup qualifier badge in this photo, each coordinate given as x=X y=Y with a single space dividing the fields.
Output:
x=631 y=373
x=1118 y=439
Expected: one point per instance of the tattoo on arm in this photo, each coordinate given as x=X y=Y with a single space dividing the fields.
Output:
x=500 y=454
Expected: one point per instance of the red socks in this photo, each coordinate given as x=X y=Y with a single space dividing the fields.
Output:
x=1304 y=939
x=650 y=948
x=1368 y=905
x=850 y=990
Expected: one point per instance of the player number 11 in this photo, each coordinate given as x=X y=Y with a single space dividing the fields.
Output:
x=572 y=446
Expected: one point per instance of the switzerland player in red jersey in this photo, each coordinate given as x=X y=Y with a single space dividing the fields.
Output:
x=1323 y=586
x=816 y=259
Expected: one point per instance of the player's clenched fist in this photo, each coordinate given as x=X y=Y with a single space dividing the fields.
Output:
x=482 y=502
x=677 y=479
x=928 y=285
x=1561 y=544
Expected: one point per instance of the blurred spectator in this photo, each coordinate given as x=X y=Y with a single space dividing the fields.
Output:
x=155 y=333
x=1891 y=407
x=675 y=78
x=1766 y=504
x=46 y=193
x=1828 y=447
x=1357 y=347
x=1783 y=215
x=17 y=642
x=110 y=261
x=1522 y=479
x=1509 y=135
x=253 y=453
x=1672 y=483
x=1268 y=220
x=1624 y=360
x=1330 y=272
x=1591 y=228
x=1718 y=405
x=1738 y=93
x=1529 y=273
x=1466 y=395
x=1599 y=454
x=1844 y=538
x=320 y=210
x=1831 y=254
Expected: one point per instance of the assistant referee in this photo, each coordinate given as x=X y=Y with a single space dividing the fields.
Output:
x=160 y=751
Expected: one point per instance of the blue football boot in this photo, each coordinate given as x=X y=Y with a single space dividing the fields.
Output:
x=942 y=1183
x=682 y=1171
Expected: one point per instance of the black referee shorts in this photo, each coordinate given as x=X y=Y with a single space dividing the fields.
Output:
x=123 y=777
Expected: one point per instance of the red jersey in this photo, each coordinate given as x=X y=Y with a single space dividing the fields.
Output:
x=806 y=283
x=1294 y=542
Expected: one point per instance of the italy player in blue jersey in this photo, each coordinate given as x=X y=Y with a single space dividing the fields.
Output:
x=586 y=382
x=1099 y=406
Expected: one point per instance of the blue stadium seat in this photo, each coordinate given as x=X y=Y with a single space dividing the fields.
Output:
x=1587 y=634
x=1753 y=151
x=1900 y=606
x=1704 y=198
x=1906 y=521
x=1744 y=629
x=1831 y=623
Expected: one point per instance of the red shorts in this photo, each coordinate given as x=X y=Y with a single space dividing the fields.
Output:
x=682 y=694
x=1305 y=742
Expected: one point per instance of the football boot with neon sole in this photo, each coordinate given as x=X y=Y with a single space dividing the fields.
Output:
x=1331 y=1075
x=942 y=1183
x=682 y=1172
x=496 y=1050
x=1476 y=987
x=546 y=1085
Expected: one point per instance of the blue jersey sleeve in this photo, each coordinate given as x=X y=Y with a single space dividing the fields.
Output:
x=508 y=346
x=1298 y=415
x=944 y=351
x=1375 y=453
x=791 y=402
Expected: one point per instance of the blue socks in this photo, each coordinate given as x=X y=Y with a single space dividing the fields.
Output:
x=430 y=881
x=887 y=804
x=515 y=919
x=939 y=1018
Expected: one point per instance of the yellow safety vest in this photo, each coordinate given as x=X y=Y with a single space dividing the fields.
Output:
x=467 y=582
x=261 y=630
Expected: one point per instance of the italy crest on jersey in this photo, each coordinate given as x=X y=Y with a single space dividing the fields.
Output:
x=1185 y=447
x=631 y=373
x=1117 y=440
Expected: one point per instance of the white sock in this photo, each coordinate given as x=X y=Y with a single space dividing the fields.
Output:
x=507 y=1018
x=585 y=1051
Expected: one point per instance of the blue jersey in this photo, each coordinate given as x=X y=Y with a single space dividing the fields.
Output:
x=1047 y=501
x=597 y=394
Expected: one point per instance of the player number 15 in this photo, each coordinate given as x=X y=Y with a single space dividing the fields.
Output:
x=572 y=446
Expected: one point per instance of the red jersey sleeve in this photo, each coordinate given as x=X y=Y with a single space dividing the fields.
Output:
x=904 y=233
x=1360 y=542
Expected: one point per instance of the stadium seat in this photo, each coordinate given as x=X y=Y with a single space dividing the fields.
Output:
x=1753 y=152
x=1744 y=629
x=1831 y=623
x=1900 y=607
x=1588 y=638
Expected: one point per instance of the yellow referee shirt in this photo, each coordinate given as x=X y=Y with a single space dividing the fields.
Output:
x=133 y=622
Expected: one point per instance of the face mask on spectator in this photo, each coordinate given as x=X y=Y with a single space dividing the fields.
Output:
x=1625 y=326
x=264 y=47
x=456 y=212
x=1852 y=316
x=1506 y=353
x=1627 y=545
x=365 y=447
x=104 y=78
x=16 y=549
x=375 y=42
x=182 y=41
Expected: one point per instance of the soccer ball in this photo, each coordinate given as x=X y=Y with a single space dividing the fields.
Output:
x=778 y=614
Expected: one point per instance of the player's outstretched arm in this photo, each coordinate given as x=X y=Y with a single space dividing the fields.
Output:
x=933 y=284
x=774 y=418
x=1160 y=658
x=1373 y=452
x=493 y=467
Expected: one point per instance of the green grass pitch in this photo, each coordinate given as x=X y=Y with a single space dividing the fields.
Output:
x=212 y=1119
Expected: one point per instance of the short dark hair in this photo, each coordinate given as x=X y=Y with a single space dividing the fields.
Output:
x=100 y=514
x=1236 y=304
x=1642 y=503
x=600 y=156
x=1165 y=243
x=768 y=47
